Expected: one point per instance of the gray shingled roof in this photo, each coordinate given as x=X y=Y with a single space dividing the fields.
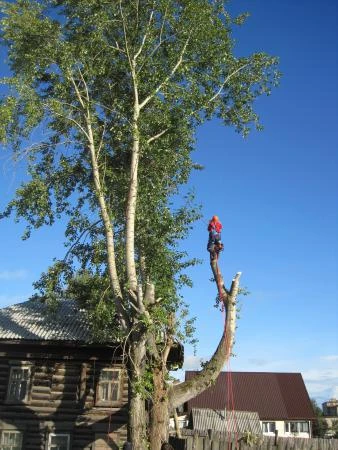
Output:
x=32 y=320
x=225 y=421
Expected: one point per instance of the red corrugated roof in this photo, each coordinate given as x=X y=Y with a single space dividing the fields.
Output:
x=278 y=396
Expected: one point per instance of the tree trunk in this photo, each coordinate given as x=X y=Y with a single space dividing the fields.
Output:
x=137 y=424
x=159 y=414
x=183 y=392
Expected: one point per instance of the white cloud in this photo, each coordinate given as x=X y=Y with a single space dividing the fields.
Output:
x=330 y=358
x=318 y=375
x=322 y=383
x=192 y=362
x=9 y=275
x=334 y=392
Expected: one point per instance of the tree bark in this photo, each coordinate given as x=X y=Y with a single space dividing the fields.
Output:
x=187 y=390
x=133 y=186
x=137 y=424
x=159 y=414
x=109 y=232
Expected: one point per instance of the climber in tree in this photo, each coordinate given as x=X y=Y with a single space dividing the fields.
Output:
x=214 y=243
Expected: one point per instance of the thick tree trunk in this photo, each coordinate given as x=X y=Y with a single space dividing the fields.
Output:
x=137 y=424
x=133 y=187
x=183 y=392
x=159 y=414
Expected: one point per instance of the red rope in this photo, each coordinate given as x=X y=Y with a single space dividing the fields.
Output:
x=233 y=405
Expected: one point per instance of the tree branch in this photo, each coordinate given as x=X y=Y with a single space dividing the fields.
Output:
x=159 y=43
x=220 y=90
x=78 y=93
x=75 y=122
x=125 y=34
x=137 y=54
x=171 y=74
x=93 y=225
x=133 y=189
x=109 y=232
x=183 y=392
x=157 y=136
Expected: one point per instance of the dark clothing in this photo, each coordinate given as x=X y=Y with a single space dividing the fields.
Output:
x=166 y=446
x=214 y=239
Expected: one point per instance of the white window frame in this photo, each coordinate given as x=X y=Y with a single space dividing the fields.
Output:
x=11 y=432
x=268 y=423
x=16 y=400
x=99 y=401
x=298 y=423
x=58 y=434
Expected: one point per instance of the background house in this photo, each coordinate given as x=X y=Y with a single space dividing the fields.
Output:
x=330 y=408
x=330 y=412
x=58 y=389
x=280 y=399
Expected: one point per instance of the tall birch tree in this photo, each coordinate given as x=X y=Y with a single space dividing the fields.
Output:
x=116 y=91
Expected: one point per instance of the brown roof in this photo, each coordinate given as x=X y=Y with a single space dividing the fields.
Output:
x=278 y=396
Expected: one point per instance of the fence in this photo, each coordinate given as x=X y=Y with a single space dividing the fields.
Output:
x=218 y=441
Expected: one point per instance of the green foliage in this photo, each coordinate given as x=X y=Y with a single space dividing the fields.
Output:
x=93 y=294
x=179 y=57
x=144 y=386
x=251 y=439
x=319 y=425
x=334 y=429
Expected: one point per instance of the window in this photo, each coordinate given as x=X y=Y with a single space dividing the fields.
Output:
x=331 y=410
x=269 y=427
x=304 y=427
x=297 y=427
x=108 y=389
x=18 y=384
x=10 y=440
x=58 y=441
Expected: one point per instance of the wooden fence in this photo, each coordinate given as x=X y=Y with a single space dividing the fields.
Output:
x=218 y=441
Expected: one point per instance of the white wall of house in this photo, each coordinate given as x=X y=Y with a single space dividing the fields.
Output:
x=287 y=428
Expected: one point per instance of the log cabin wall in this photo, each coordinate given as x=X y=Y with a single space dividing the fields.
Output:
x=65 y=395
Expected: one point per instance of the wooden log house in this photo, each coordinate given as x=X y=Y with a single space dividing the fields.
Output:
x=58 y=389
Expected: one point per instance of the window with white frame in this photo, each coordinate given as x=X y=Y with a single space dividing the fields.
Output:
x=269 y=427
x=10 y=440
x=18 y=384
x=108 y=388
x=58 y=441
x=297 y=427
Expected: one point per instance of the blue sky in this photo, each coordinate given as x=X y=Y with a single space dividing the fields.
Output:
x=276 y=194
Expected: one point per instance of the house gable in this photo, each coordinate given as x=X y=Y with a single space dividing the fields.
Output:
x=275 y=396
